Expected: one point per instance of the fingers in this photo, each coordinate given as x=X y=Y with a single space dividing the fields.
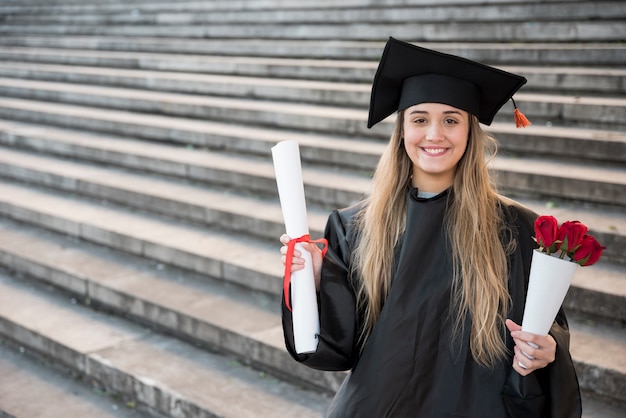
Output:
x=525 y=364
x=512 y=326
x=297 y=262
x=532 y=351
x=535 y=346
x=520 y=365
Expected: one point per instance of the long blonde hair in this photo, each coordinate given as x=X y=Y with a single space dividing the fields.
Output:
x=473 y=223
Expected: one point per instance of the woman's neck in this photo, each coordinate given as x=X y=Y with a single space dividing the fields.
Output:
x=434 y=186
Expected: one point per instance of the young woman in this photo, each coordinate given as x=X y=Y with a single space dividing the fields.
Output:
x=422 y=289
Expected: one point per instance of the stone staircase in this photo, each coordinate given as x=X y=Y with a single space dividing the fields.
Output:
x=139 y=218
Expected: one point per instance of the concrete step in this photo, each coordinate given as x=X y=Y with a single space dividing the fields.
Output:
x=350 y=77
x=221 y=255
x=162 y=297
x=32 y=387
x=181 y=217
x=307 y=91
x=116 y=6
x=600 y=346
x=546 y=178
x=230 y=212
x=140 y=290
x=200 y=14
x=592 y=183
x=304 y=68
x=353 y=93
x=316 y=148
x=201 y=203
x=160 y=373
x=559 y=110
x=555 y=30
x=505 y=53
x=255 y=175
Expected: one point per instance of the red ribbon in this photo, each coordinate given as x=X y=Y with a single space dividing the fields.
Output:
x=291 y=246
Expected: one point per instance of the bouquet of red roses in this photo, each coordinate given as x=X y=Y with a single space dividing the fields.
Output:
x=562 y=248
x=569 y=239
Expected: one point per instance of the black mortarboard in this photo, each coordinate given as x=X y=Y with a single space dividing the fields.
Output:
x=408 y=75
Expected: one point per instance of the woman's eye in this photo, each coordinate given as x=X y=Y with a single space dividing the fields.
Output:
x=451 y=121
x=419 y=121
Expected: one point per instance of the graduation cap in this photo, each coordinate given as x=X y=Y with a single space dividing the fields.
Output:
x=408 y=75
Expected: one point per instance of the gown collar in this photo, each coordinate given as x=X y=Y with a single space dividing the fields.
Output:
x=419 y=196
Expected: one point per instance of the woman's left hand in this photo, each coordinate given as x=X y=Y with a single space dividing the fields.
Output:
x=532 y=351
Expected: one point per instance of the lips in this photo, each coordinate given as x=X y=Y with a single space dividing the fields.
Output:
x=434 y=151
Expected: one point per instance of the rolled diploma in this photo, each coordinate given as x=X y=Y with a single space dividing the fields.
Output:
x=306 y=325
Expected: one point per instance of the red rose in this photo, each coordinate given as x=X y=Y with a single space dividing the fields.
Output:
x=589 y=251
x=570 y=235
x=545 y=232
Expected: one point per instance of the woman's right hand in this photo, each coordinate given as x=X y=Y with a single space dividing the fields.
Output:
x=297 y=262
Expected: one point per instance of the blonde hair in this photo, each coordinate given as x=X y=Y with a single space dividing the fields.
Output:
x=473 y=223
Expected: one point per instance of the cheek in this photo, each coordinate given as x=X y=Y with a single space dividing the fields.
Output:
x=409 y=144
x=412 y=135
x=463 y=146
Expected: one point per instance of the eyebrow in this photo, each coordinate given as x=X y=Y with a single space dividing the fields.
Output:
x=447 y=112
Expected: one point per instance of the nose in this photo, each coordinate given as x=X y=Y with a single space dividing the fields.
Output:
x=434 y=132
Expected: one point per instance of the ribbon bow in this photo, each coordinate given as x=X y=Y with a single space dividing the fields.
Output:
x=291 y=246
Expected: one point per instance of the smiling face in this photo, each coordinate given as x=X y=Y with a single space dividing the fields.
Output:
x=435 y=139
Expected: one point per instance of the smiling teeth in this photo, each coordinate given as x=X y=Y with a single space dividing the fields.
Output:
x=435 y=151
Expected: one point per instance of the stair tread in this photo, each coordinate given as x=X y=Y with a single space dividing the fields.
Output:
x=602 y=346
x=51 y=394
x=138 y=209
x=323 y=178
x=196 y=13
x=225 y=254
x=191 y=77
x=595 y=53
x=340 y=43
x=344 y=64
x=213 y=382
x=182 y=123
x=266 y=104
x=274 y=135
x=235 y=164
x=204 y=301
x=227 y=307
x=142 y=74
x=190 y=305
x=552 y=168
x=271 y=136
x=611 y=280
x=221 y=5
x=602 y=220
x=573 y=31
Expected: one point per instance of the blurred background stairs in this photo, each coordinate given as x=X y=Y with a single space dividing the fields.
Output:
x=139 y=219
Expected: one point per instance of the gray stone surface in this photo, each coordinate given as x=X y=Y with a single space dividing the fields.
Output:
x=589 y=54
x=166 y=376
x=31 y=387
x=138 y=210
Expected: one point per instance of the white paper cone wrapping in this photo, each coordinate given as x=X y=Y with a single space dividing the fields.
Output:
x=550 y=278
x=306 y=326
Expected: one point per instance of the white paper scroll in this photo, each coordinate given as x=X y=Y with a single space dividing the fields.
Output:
x=306 y=325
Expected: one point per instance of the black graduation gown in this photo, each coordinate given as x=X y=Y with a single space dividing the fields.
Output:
x=410 y=366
